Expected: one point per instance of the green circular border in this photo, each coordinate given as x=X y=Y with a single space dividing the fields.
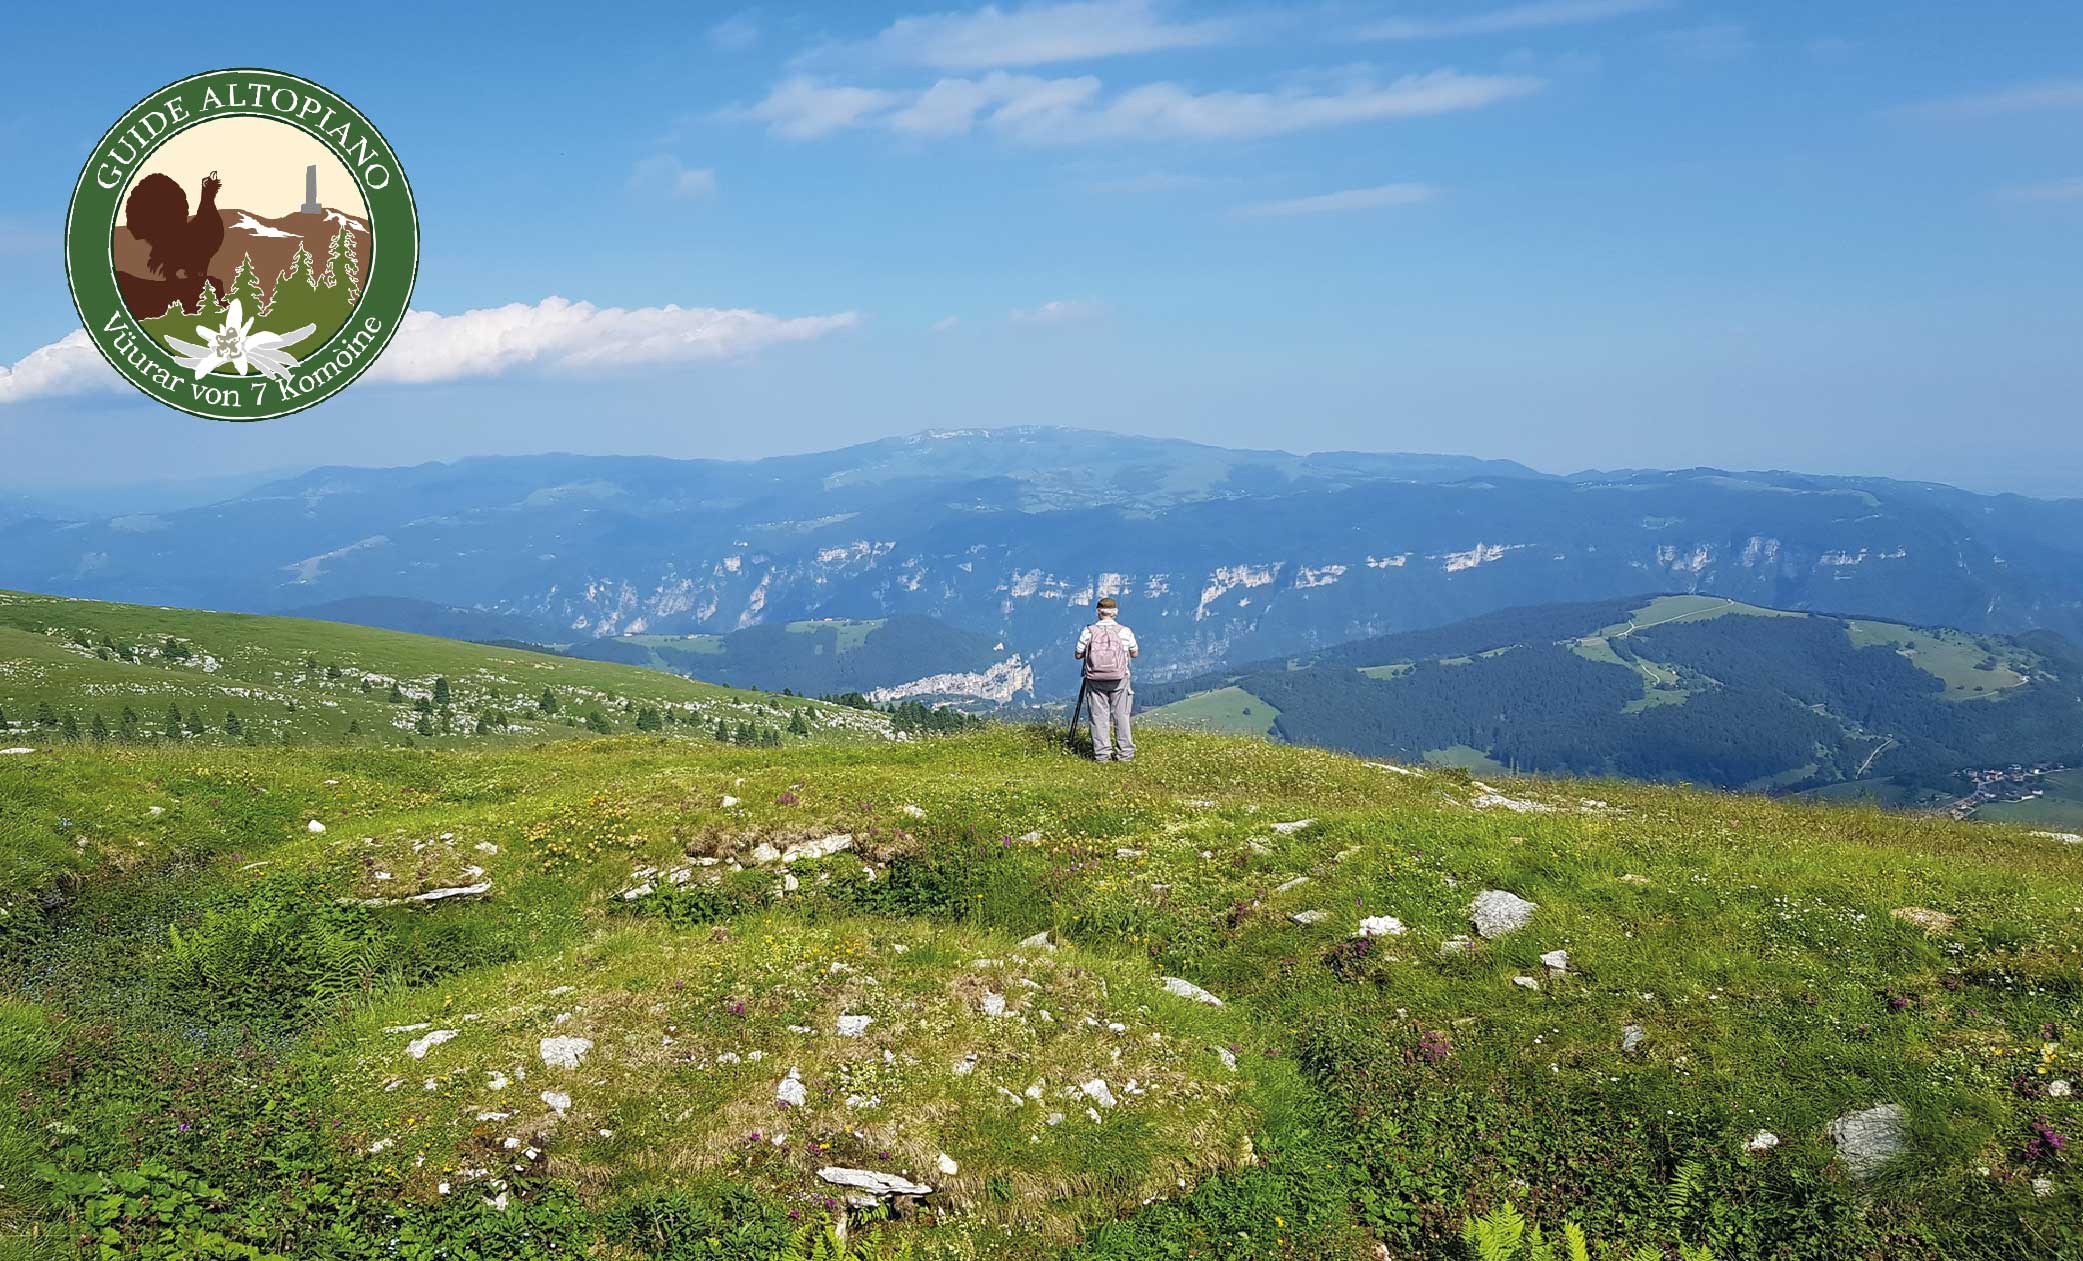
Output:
x=389 y=273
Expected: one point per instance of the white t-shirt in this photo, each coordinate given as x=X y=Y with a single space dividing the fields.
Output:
x=1128 y=637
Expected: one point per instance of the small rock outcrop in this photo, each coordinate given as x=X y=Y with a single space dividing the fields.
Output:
x=1870 y=1138
x=563 y=1051
x=1381 y=926
x=872 y=1182
x=1495 y=913
x=1187 y=989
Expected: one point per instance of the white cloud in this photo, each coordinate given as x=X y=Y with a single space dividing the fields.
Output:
x=554 y=335
x=734 y=34
x=69 y=365
x=563 y=335
x=1041 y=111
x=1351 y=199
x=1537 y=15
x=803 y=108
x=666 y=173
x=2052 y=190
x=2023 y=98
x=1061 y=311
x=1037 y=34
x=947 y=325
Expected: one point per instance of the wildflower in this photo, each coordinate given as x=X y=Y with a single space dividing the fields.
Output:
x=238 y=345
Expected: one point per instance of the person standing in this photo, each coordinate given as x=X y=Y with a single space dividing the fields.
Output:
x=1106 y=647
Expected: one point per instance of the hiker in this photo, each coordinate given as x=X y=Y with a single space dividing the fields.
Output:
x=1106 y=647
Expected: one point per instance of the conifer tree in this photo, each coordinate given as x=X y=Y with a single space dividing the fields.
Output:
x=397 y=695
x=796 y=725
x=245 y=289
x=722 y=732
x=441 y=695
x=647 y=719
x=71 y=728
x=548 y=703
x=483 y=728
x=126 y=723
x=340 y=264
x=100 y=729
x=424 y=725
x=232 y=725
x=597 y=723
x=173 y=721
x=45 y=716
x=3 y=720
x=195 y=722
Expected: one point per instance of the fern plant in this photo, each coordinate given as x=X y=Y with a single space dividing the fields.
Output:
x=1504 y=1234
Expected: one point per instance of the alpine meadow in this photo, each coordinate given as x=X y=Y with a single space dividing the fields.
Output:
x=1042 y=630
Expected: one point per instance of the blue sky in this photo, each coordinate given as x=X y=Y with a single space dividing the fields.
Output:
x=1579 y=233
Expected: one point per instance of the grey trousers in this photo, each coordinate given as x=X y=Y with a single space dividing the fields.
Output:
x=1112 y=736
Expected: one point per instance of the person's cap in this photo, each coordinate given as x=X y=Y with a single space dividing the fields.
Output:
x=1107 y=602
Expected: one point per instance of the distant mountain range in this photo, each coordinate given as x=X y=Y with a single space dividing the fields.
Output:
x=1688 y=687
x=1219 y=556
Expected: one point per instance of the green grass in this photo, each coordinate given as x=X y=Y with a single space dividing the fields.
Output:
x=851 y=634
x=1689 y=608
x=203 y=988
x=1226 y=709
x=1972 y=668
x=1464 y=757
x=327 y=682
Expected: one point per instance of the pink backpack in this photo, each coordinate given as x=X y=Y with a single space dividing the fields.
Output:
x=1106 y=658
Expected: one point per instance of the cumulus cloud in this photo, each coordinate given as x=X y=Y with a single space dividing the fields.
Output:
x=1050 y=111
x=1380 y=197
x=2022 y=98
x=554 y=335
x=1537 y=15
x=1061 y=311
x=667 y=174
x=69 y=365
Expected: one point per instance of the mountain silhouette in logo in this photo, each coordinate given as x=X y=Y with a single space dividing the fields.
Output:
x=156 y=253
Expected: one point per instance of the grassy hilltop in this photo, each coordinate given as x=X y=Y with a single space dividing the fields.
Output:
x=191 y=677
x=667 y=998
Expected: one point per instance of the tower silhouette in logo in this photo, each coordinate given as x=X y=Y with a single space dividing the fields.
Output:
x=311 y=206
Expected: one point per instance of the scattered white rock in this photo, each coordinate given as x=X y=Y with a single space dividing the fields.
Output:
x=2066 y=838
x=1381 y=926
x=824 y=847
x=1125 y=852
x=1934 y=923
x=1039 y=941
x=1455 y=946
x=729 y=801
x=1096 y=1090
x=1187 y=989
x=1296 y=883
x=947 y=1166
x=157 y=811
x=1633 y=879
x=4 y=752
x=993 y=1003
x=563 y=1051
x=790 y=1090
x=418 y=1047
x=643 y=890
x=1869 y=1138
x=1495 y=912
x=314 y=827
x=1556 y=961
x=1488 y=798
x=1228 y=1058
x=914 y=811
x=2060 y=1088
x=1526 y=983
x=558 y=1101
x=1631 y=1036
x=2043 y=1186
x=424 y=1024
x=854 y=1026
x=966 y=1065
x=1295 y=825
x=1308 y=917
x=872 y=1182
x=1765 y=1141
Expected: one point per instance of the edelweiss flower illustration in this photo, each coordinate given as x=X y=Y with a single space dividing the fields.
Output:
x=238 y=345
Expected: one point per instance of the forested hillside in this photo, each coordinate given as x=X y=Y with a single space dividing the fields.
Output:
x=1675 y=688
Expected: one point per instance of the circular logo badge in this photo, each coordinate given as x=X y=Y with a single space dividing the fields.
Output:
x=242 y=244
